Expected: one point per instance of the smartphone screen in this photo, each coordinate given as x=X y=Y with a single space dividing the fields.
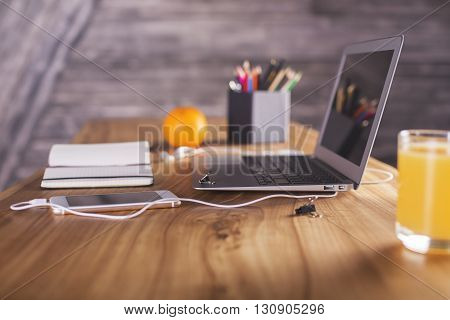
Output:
x=112 y=199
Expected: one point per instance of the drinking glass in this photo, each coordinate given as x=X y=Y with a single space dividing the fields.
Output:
x=423 y=205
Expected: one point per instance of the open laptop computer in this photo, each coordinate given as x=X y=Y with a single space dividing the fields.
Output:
x=348 y=133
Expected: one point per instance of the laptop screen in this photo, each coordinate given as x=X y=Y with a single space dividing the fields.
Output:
x=355 y=104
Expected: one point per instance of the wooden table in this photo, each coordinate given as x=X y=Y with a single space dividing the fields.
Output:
x=196 y=252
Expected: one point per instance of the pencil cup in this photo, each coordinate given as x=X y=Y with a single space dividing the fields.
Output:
x=258 y=117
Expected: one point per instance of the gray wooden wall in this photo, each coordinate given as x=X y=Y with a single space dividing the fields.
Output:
x=30 y=61
x=182 y=52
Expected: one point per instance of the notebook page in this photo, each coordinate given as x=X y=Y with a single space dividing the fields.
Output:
x=101 y=154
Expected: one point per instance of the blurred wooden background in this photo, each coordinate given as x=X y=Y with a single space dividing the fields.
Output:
x=183 y=51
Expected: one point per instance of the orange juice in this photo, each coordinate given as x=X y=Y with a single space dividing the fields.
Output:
x=424 y=191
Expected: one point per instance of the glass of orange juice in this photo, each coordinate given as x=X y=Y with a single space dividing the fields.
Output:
x=423 y=205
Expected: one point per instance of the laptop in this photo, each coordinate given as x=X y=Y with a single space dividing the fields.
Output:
x=348 y=132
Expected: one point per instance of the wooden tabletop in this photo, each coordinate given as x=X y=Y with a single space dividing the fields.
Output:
x=196 y=252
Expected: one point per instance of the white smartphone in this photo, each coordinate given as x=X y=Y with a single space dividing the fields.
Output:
x=116 y=201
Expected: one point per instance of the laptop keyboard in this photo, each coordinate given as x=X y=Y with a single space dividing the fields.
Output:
x=288 y=170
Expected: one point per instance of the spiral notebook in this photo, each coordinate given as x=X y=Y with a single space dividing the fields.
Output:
x=98 y=165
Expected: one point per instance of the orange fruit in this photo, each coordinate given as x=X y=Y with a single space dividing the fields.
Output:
x=185 y=126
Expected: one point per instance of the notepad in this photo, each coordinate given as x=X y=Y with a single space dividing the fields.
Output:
x=98 y=165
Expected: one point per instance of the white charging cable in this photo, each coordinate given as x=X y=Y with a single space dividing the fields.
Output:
x=58 y=209
x=389 y=176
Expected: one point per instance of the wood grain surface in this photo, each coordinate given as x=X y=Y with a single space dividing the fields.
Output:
x=195 y=252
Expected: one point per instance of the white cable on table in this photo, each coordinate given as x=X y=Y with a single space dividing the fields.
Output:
x=389 y=176
x=58 y=209
x=62 y=210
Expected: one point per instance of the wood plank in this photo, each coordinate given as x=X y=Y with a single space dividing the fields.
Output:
x=31 y=61
x=199 y=252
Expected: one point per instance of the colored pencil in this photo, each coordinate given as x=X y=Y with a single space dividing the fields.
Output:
x=277 y=80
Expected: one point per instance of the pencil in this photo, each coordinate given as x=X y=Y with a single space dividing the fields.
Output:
x=246 y=65
x=239 y=71
x=249 y=82
x=292 y=83
x=290 y=74
x=256 y=72
x=271 y=72
x=277 y=80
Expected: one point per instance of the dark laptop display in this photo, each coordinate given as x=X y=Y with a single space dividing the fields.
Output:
x=355 y=104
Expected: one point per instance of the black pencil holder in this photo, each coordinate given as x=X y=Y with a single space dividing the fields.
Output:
x=258 y=117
